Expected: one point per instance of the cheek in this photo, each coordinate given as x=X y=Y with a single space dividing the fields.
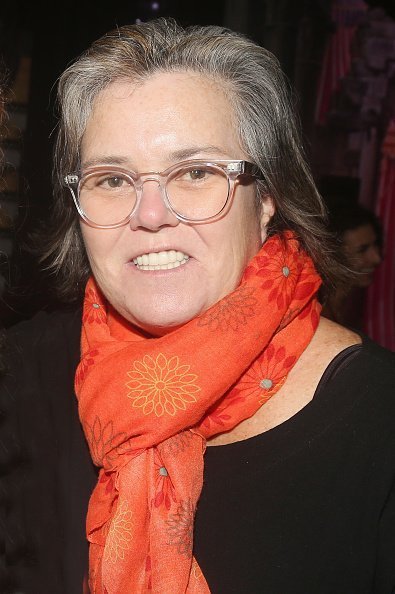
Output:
x=358 y=258
x=252 y=233
x=101 y=249
x=241 y=242
x=100 y=244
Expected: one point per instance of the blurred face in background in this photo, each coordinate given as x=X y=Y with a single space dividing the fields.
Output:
x=363 y=252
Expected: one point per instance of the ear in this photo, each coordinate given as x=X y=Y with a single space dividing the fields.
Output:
x=267 y=210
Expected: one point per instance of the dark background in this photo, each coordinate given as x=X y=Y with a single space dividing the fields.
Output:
x=53 y=35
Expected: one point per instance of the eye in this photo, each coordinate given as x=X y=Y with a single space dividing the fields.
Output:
x=196 y=174
x=109 y=181
x=114 y=182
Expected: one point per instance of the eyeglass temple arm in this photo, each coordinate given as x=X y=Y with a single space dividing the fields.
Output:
x=71 y=180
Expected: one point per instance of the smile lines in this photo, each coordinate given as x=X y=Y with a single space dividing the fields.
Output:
x=165 y=260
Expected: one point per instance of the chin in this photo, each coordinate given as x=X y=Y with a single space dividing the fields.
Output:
x=167 y=310
x=156 y=330
x=158 y=323
x=365 y=281
x=159 y=327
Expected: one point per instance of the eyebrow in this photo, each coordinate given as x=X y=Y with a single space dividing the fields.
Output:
x=104 y=160
x=173 y=157
x=190 y=152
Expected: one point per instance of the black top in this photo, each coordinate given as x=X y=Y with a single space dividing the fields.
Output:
x=307 y=507
x=50 y=474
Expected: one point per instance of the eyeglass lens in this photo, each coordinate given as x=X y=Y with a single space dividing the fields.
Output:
x=195 y=192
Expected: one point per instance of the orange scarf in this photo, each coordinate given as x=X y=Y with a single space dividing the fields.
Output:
x=148 y=405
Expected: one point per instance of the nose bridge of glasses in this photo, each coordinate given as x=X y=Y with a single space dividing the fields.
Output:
x=149 y=198
x=151 y=176
x=152 y=208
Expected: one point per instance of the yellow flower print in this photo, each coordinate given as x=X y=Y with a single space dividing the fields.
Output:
x=161 y=385
x=195 y=570
x=119 y=534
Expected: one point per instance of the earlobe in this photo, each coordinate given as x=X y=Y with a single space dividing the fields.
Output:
x=267 y=211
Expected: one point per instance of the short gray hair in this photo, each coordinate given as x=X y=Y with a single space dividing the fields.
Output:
x=267 y=125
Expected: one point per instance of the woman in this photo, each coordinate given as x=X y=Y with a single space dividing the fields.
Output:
x=207 y=381
x=360 y=236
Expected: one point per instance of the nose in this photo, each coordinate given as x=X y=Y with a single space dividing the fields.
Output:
x=374 y=256
x=151 y=212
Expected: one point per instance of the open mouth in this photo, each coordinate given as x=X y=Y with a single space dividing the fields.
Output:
x=165 y=260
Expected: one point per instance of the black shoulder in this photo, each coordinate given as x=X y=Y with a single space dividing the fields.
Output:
x=45 y=326
x=369 y=376
x=38 y=426
x=377 y=360
x=39 y=338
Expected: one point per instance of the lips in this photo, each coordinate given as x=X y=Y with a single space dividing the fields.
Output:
x=164 y=260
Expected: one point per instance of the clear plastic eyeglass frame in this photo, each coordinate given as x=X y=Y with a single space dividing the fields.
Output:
x=232 y=169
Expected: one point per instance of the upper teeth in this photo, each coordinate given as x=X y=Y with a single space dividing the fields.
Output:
x=161 y=260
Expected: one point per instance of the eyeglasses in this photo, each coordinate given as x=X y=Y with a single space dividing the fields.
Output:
x=194 y=191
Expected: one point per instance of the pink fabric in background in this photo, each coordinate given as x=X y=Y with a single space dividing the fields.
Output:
x=379 y=315
x=346 y=15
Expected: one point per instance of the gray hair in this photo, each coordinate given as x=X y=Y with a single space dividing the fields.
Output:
x=263 y=113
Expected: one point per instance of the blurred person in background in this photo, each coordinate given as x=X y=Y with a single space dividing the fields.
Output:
x=359 y=234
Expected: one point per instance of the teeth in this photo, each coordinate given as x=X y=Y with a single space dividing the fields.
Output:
x=165 y=260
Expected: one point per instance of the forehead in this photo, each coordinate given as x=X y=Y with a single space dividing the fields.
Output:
x=363 y=235
x=174 y=108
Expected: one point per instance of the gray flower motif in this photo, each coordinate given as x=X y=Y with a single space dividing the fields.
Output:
x=180 y=528
x=176 y=444
x=105 y=446
x=231 y=312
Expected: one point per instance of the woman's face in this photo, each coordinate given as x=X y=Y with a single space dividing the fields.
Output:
x=361 y=246
x=149 y=127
